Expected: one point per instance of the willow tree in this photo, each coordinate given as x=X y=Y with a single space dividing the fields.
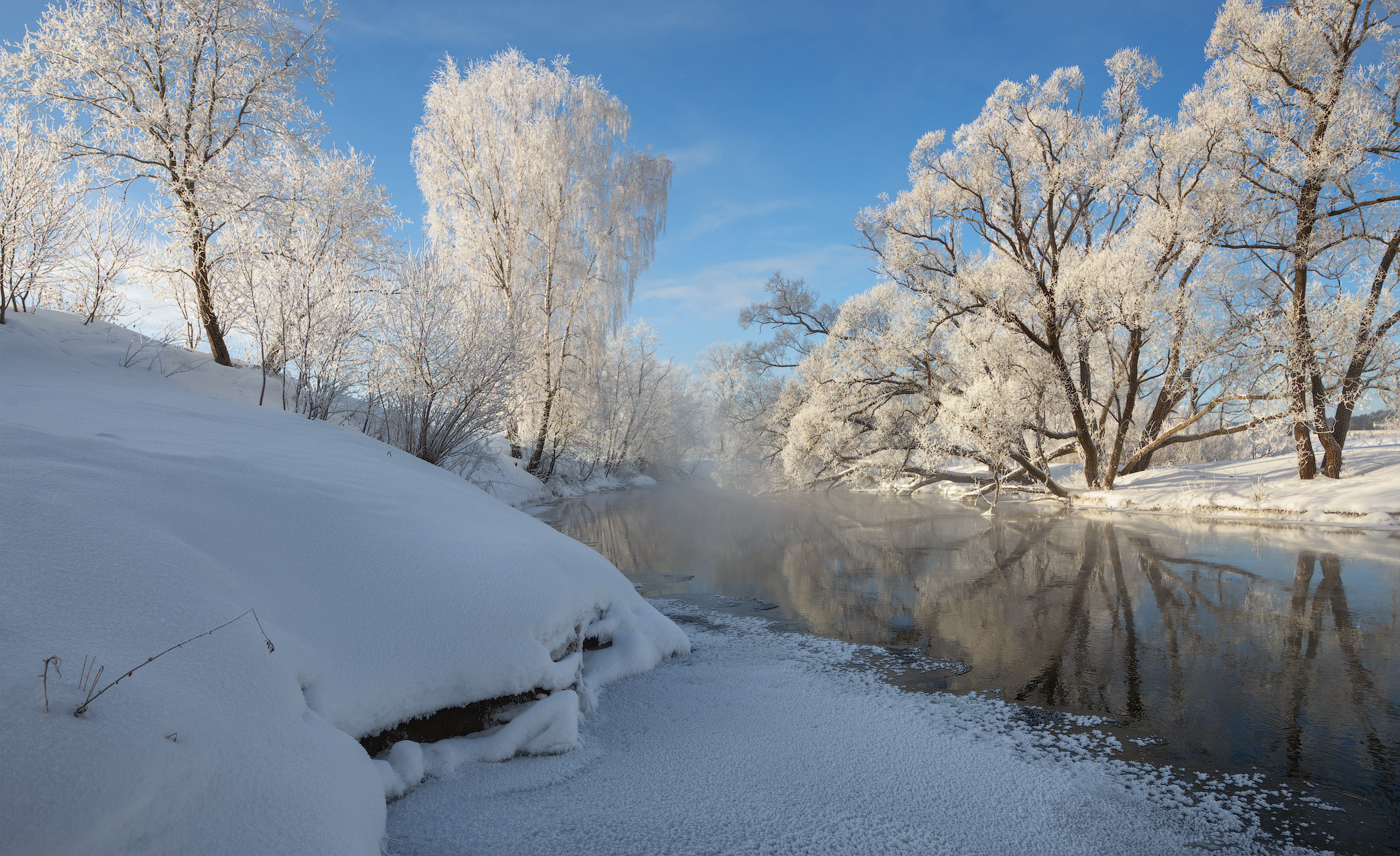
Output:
x=184 y=94
x=532 y=189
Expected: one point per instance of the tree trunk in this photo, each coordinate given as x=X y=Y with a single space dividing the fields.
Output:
x=1360 y=356
x=1331 y=451
x=1130 y=395
x=1088 y=450
x=542 y=436
x=1301 y=355
x=204 y=296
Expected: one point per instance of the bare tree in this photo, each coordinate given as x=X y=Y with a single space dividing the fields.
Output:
x=796 y=321
x=184 y=95
x=627 y=407
x=110 y=240
x=305 y=269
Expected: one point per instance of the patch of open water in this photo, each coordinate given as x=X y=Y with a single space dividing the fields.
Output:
x=1211 y=646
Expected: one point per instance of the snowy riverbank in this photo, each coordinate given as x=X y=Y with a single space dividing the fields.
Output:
x=763 y=742
x=146 y=502
x=1367 y=495
x=1265 y=489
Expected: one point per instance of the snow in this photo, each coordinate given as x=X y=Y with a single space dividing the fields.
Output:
x=1367 y=495
x=505 y=478
x=761 y=742
x=146 y=503
x=1264 y=489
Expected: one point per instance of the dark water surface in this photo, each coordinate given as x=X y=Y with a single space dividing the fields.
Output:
x=1216 y=646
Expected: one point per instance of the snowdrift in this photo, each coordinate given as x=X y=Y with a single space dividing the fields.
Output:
x=143 y=504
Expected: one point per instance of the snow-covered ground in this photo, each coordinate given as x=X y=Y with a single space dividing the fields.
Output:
x=1257 y=489
x=145 y=502
x=1367 y=495
x=505 y=477
x=761 y=742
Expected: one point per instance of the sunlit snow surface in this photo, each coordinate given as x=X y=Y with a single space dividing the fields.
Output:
x=1367 y=495
x=761 y=742
x=143 y=501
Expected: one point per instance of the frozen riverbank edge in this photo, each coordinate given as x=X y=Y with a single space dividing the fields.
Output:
x=1261 y=490
x=785 y=743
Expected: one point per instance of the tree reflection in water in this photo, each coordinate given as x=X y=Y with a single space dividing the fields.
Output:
x=1239 y=645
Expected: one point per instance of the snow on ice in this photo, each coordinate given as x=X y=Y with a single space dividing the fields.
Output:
x=761 y=742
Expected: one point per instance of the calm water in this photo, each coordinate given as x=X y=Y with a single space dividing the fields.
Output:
x=1220 y=646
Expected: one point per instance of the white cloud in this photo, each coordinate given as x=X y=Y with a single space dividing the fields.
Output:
x=720 y=214
x=693 y=157
x=717 y=292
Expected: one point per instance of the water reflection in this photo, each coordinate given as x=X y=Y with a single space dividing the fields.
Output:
x=1240 y=646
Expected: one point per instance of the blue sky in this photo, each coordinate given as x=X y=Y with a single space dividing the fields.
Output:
x=783 y=119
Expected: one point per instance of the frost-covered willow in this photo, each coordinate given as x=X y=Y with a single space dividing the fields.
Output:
x=531 y=188
x=1047 y=277
x=187 y=95
x=1309 y=93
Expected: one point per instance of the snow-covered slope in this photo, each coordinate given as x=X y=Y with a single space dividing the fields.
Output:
x=140 y=506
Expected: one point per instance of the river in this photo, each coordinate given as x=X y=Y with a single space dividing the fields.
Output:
x=1209 y=645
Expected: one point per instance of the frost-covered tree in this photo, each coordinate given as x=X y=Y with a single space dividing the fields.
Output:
x=38 y=209
x=742 y=398
x=796 y=320
x=854 y=408
x=110 y=241
x=302 y=274
x=1311 y=91
x=445 y=363
x=1056 y=258
x=187 y=95
x=532 y=189
x=626 y=406
x=745 y=382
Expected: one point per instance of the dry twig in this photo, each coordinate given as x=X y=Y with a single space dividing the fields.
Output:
x=92 y=696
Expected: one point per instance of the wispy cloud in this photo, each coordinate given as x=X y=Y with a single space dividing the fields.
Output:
x=720 y=214
x=717 y=292
x=693 y=157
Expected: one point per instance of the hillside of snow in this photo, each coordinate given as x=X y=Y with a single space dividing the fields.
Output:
x=144 y=501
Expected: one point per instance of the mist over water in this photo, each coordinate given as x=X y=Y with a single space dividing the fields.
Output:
x=1223 y=645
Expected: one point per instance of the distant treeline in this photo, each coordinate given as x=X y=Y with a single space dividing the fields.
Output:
x=1373 y=421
